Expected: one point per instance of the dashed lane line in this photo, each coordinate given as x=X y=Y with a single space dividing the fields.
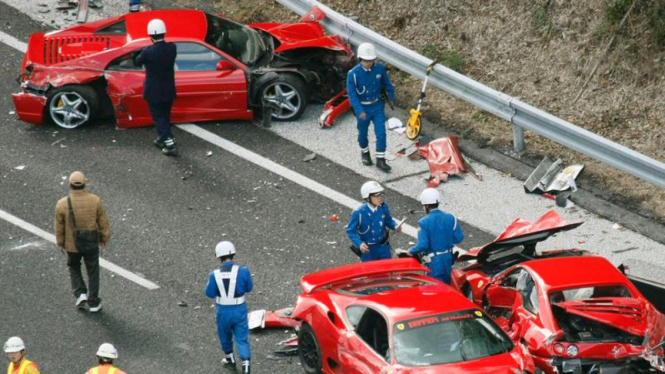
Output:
x=280 y=170
x=102 y=262
x=13 y=42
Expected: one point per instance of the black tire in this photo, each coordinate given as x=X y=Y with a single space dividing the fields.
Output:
x=309 y=350
x=288 y=93
x=72 y=106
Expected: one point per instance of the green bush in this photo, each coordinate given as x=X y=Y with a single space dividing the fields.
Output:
x=615 y=11
x=452 y=59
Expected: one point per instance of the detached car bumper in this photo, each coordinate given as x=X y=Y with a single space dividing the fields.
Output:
x=30 y=107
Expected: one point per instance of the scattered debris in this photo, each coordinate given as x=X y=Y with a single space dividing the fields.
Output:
x=82 y=12
x=309 y=157
x=256 y=319
x=625 y=250
x=20 y=167
x=331 y=243
x=197 y=307
x=57 y=141
x=182 y=303
x=12 y=112
x=334 y=217
x=209 y=153
x=394 y=124
x=551 y=177
x=335 y=107
x=617 y=226
x=444 y=159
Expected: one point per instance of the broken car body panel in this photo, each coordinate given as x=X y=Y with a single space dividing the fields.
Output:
x=388 y=317
x=576 y=312
x=104 y=50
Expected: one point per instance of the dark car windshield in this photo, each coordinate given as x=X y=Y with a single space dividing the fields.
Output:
x=239 y=41
x=448 y=338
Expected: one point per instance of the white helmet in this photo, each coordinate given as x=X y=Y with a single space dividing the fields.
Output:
x=369 y=188
x=107 y=350
x=366 y=51
x=225 y=248
x=156 y=27
x=14 y=344
x=429 y=196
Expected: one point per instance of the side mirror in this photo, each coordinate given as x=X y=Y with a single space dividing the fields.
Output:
x=225 y=65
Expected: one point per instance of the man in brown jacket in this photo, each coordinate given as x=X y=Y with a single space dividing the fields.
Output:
x=90 y=215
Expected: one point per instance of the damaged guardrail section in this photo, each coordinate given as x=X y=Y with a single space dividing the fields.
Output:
x=519 y=114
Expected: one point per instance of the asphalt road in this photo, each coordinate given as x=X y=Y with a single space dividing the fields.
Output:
x=166 y=215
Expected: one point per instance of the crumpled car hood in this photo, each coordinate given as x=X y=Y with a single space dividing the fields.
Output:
x=521 y=232
x=626 y=314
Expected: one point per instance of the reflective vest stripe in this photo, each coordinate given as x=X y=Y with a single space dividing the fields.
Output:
x=226 y=296
x=21 y=369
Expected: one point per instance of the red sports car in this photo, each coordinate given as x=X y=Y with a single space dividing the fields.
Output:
x=388 y=317
x=576 y=312
x=224 y=70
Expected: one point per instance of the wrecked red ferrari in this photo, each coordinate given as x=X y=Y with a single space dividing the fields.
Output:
x=576 y=312
x=389 y=317
x=224 y=70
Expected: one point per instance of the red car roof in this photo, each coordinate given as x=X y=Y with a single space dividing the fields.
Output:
x=179 y=23
x=402 y=304
x=569 y=272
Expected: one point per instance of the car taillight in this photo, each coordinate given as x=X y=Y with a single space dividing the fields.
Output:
x=558 y=348
x=572 y=350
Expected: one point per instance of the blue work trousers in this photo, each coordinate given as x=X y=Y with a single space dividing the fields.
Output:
x=376 y=115
x=161 y=117
x=232 y=324
x=442 y=267
x=376 y=252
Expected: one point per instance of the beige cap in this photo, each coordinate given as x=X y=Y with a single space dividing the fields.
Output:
x=77 y=179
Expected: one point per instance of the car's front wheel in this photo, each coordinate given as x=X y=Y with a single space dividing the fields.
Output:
x=309 y=350
x=287 y=95
x=72 y=106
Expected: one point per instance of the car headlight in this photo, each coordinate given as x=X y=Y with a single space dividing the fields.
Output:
x=572 y=350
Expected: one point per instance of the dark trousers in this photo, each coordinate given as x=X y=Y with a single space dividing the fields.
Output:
x=161 y=117
x=92 y=267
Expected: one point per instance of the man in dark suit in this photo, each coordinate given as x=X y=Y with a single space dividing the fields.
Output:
x=159 y=86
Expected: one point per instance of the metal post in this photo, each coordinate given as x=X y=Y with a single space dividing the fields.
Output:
x=518 y=138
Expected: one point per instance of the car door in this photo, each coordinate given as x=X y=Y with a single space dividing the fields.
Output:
x=366 y=347
x=125 y=89
x=209 y=86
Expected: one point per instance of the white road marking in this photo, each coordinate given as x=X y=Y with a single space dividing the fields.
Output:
x=103 y=263
x=13 y=42
x=281 y=170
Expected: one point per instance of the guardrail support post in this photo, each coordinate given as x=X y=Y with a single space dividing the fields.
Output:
x=518 y=138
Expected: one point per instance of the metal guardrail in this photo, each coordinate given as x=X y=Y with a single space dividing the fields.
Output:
x=519 y=114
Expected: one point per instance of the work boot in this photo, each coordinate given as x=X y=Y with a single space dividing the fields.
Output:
x=159 y=143
x=381 y=164
x=367 y=159
x=229 y=360
x=245 y=367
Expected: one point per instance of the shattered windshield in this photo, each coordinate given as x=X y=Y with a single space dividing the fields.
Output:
x=448 y=338
x=585 y=293
x=239 y=41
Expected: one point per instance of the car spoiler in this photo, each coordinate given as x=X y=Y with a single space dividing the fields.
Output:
x=323 y=278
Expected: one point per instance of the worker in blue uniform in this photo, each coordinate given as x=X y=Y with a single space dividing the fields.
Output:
x=134 y=6
x=368 y=223
x=439 y=232
x=159 y=85
x=228 y=285
x=364 y=85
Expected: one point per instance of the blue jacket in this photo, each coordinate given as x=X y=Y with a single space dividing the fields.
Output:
x=363 y=85
x=438 y=232
x=368 y=227
x=159 y=58
x=243 y=283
